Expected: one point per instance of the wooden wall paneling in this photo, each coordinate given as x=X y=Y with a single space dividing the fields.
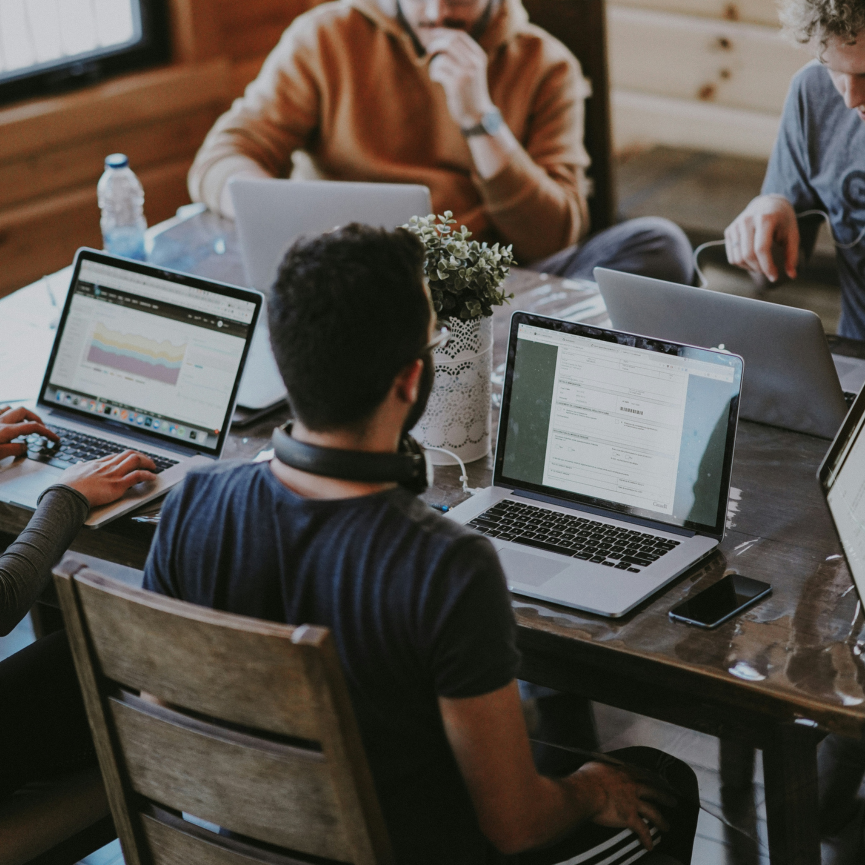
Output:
x=57 y=169
x=195 y=30
x=234 y=16
x=132 y=100
x=644 y=120
x=754 y=11
x=251 y=30
x=253 y=42
x=242 y=73
x=724 y=62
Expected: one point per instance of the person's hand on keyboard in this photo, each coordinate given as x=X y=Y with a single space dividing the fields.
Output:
x=108 y=478
x=16 y=422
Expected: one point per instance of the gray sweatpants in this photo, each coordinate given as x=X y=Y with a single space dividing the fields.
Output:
x=649 y=246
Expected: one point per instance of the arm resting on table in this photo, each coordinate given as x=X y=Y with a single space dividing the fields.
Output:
x=25 y=567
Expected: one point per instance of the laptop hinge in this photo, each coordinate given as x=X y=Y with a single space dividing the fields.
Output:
x=601 y=512
x=124 y=430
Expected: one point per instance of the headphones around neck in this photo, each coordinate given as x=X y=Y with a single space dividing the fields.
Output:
x=408 y=467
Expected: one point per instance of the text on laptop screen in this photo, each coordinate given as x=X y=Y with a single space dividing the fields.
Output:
x=615 y=424
x=845 y=493
x=150 y=353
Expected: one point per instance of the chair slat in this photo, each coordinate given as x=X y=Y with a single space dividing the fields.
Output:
x=276 y=793
x=241 y=674
x=173 y=841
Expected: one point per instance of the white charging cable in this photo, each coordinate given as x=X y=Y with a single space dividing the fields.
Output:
x=464 y=478
x=829 y=226
x=704 y=282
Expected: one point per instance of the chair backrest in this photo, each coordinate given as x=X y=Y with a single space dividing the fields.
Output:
x=251 y=729
x=581 y=25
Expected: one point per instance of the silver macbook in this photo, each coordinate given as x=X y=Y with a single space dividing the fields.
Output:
x=144 y=358
x=791 y=381
x=272 y=214
x=612 y=464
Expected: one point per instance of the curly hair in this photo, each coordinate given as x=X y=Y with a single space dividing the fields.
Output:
x=807 y=20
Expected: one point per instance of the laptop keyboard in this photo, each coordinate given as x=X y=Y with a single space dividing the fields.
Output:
x=76 y=447
x=578 y=537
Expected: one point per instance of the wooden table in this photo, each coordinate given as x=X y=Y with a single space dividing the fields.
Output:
x=776 y=678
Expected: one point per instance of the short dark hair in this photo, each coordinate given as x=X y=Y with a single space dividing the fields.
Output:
x=347 y=313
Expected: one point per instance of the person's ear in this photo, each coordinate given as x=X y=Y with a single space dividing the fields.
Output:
x=407 y=383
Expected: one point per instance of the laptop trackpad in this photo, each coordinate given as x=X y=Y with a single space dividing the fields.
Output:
x=531 y=569
x=22 y=484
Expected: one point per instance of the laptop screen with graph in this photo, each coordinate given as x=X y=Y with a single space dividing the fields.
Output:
x=150 y=350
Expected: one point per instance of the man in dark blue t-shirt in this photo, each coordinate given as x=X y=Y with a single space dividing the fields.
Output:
x=818 y=162
x=417 y=604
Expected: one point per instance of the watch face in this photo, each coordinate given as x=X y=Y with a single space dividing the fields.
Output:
x=492 y=121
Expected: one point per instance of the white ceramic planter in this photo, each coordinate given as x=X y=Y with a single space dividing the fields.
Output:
x=458 y=413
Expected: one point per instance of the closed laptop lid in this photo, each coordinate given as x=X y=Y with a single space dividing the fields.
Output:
x=791 y=380
x=271 y=214
x=622 y=423
x=150 y=352
x=842 y=479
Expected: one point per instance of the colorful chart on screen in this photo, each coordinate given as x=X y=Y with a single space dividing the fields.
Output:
x=129 y=352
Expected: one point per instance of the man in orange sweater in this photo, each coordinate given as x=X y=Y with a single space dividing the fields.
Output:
x=463 y=96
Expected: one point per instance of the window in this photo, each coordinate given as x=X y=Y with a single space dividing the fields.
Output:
x=51 y=45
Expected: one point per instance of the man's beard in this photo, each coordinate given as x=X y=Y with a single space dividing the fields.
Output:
x=425 y=386
x=475 y=31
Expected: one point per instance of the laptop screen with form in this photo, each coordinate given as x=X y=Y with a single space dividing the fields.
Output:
x=155 y=355
x=639 y=426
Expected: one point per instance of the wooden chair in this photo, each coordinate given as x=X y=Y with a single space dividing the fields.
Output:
x=251 y=729
x=581 y=25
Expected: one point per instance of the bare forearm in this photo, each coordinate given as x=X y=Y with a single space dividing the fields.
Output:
x=552 y=808
x=516 y=807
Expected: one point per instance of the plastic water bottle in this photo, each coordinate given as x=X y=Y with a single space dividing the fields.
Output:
x=121 y=199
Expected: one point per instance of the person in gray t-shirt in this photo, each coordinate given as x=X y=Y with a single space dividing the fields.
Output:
x=818 y=162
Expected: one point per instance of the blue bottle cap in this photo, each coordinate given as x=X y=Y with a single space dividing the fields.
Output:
x=116 y=160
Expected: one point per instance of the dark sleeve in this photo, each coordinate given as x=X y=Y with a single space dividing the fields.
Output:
x=159 y=573
x=25 y=567
x=473 y=632
x=789 y=170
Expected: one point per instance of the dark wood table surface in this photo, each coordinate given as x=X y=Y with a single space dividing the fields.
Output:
x=778 y=677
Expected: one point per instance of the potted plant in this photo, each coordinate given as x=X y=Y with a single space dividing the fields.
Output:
x=465 y=280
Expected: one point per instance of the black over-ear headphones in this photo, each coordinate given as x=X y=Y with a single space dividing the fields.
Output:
x=408 y=467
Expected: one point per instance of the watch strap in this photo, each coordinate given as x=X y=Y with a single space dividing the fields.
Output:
x=489 y=124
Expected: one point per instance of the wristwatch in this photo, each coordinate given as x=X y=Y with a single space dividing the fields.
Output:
x=490 y=124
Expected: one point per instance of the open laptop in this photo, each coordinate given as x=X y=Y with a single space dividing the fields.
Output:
x=792 y=381
x=612 y=464
x=272 y=214
x=842 y=479
x=144 y=358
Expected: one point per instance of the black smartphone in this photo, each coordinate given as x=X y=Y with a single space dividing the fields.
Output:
x=729 y=596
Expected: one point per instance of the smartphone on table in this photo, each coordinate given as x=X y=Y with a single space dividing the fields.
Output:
x=721 y=601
